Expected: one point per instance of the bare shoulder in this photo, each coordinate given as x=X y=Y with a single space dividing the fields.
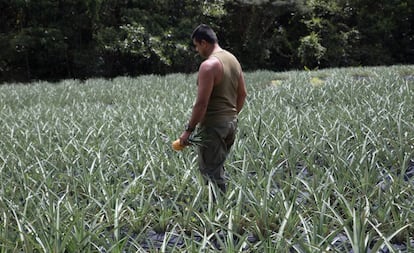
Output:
x=211 y=64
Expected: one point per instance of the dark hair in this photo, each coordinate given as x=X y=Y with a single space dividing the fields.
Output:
x=204 y=32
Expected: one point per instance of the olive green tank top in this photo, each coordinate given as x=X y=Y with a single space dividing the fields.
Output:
x=223 y=98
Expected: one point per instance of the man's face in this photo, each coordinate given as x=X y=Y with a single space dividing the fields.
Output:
x=200 y=47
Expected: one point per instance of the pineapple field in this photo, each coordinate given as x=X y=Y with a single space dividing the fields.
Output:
x=323 y=162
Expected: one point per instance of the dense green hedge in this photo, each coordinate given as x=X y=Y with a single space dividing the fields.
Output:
x=49 y=39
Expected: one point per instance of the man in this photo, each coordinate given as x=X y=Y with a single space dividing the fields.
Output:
x=221 y=93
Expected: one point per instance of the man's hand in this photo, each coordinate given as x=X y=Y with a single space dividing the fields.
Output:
x=184 y=138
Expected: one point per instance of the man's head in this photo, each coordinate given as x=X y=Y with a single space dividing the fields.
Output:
x=204 y=32
x=204 y=40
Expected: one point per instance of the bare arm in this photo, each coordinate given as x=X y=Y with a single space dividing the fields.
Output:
x=206 y=78
x=241 y=93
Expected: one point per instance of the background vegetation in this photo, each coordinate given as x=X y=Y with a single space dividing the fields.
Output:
x=50 y=39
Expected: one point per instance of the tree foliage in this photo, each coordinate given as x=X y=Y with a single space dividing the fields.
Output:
x=47 y=39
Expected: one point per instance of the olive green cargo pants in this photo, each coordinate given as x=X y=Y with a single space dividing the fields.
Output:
x=212 y=153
